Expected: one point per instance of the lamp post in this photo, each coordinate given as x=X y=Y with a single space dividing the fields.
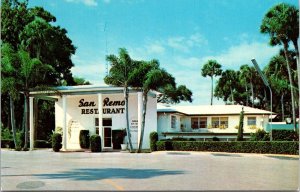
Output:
x=263 y=77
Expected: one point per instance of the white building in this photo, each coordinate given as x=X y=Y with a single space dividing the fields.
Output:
x=80 y=108
x=205 y=122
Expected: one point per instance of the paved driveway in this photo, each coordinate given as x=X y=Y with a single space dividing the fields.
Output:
x=46 y=170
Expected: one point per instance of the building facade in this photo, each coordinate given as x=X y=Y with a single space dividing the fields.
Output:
x=100 y=110
x=205 y=122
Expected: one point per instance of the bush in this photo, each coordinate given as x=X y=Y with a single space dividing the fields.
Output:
x=42 y=144
x=285 y=135
x=84 y=139
x=276 y=147
x=153 y=140
x=215 y=139
x=191 y=139
x=95 y=143
x=56 y=142
x=7 y=143
x=260 y=135
x=179 y=139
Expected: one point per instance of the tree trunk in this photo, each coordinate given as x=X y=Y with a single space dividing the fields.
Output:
x=26 y=105
x=13 y=125
x=295 y=43
x=291 y=82
x=247 y=104
x=127 y=119
x=282 y=107
x=252 y=92
x=145 y=100
x=212 y=90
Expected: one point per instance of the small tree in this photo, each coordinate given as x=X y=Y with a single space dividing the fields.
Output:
x=241 y=125
x=56 y=142
x=153 y=140
x=95 y=143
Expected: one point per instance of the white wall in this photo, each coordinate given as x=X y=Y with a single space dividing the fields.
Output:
x=81 y=121
x=164 y=124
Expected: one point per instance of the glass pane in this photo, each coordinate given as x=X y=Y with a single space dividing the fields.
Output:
x=173 y=122
x=251 y=121
x=203 y=122
x=96 y=121
x=97 y=130
x=107 y=142
x=215 y=122
x=194 y=123
x=107 y=132
x=107 y=122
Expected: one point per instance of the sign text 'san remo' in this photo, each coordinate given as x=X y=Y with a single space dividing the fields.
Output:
x=109 y=107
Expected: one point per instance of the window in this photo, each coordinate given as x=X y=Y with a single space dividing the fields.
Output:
x=203 y=122
x=219 y=122
x=105 y=122
x=194 y=123
x=215 y=122
x=198 y=122
x=173 y=122
x=251 y=121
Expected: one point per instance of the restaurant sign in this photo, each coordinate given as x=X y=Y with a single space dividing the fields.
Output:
x=109 y=107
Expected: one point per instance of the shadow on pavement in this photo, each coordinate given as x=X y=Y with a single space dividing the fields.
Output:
x=108 y=173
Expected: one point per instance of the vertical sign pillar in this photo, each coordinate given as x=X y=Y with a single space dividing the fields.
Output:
x=100 y=109
x=65 y=132
x=140 y=114
x=31 y=124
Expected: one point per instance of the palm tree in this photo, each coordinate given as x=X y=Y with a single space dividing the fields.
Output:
x=211 y=68
x=9 y=81
x=276 y=24
x=121 y=67
x=32 y=73
x=247 y=76
x=149 y=76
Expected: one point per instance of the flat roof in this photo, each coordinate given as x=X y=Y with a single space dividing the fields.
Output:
x=83 y=90
x=210 y=110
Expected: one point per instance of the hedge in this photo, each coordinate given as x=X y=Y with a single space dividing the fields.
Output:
x=84 y=139
x=275 y=147
x=56 y=142
x=95 y=143
x=153 y=139
x=285 y=135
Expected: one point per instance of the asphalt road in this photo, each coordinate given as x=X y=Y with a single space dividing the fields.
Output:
x=46 y=170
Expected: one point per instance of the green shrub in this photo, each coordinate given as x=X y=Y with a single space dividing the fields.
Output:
x=191 y=139
x=153 y=139
x=6 y=134
x=84 y=139
x=276 y=147
x=95 y=143
x=215 y=139
x=179 y=139
x=285 y=135
x=260 y=135
x=42 y=144
x=56 y=142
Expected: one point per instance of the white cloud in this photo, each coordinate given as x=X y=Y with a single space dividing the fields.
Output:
x=185 y=44
x=241 y=54
x=93 y=71
x=155 y=48
x=85 y=2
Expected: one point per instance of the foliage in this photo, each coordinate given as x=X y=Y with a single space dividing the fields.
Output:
x=56 y=142
x=276 y=147
x=42 y=144
x=260 y=135
x=84 y=136
x=95 y=143
x=211 y=68
x=153 y=139
x=215 y=139
x=6 y=134
x=241 y=126
x=7 y=143
x=285 y=135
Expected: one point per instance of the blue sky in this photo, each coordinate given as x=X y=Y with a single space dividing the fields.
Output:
x=181 y=34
